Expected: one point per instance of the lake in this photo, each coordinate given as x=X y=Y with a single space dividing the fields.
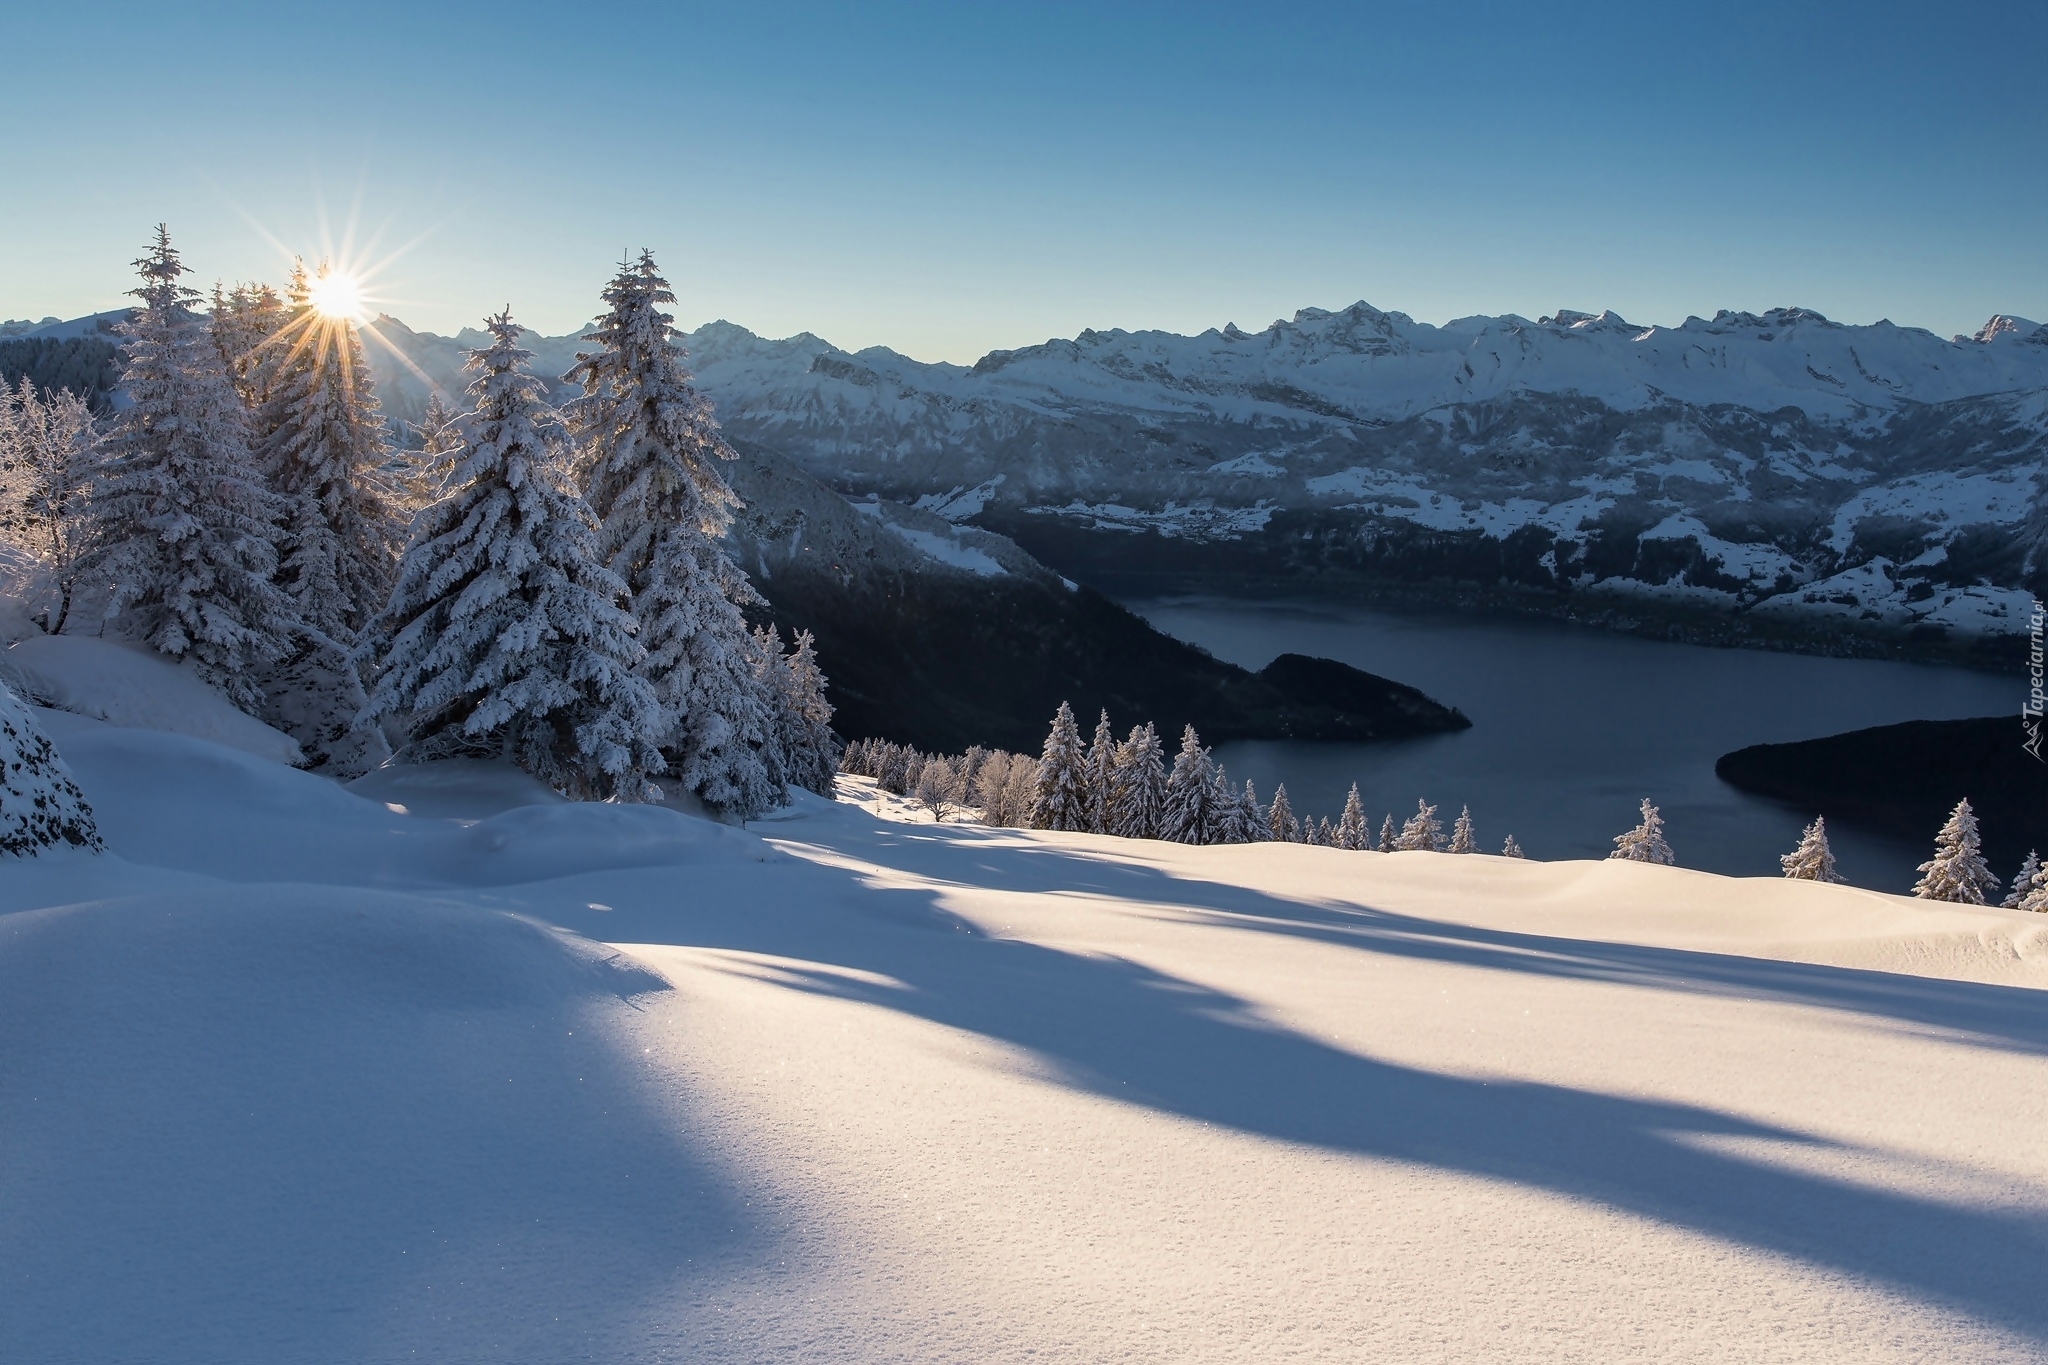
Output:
x=1572 y=727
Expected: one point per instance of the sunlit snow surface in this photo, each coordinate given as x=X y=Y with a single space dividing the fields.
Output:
x=294 y=1076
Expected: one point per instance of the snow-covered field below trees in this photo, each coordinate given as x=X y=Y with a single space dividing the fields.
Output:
x=291 y=1074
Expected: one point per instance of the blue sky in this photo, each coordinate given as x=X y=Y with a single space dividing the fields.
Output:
x=948 y=179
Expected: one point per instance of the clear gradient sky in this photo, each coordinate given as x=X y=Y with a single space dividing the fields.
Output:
x=950 y=178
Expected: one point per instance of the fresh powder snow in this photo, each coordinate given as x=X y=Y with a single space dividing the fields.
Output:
x=439 y=1066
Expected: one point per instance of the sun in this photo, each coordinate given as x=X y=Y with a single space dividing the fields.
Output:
x=337 y=295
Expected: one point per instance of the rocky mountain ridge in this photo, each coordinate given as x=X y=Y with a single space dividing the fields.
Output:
x=1779 y=474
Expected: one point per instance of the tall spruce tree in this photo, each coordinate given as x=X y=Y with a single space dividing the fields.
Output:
x=1189 y=814
x=1101 y=774
x=1957 y=871
x=323 y=449
x=505 y=635
x=1280 y=821
x=1137 y=800
x=1352 y=830
x=1060 y=797
x=647 y=453
x=1252 y=815
x=183 y=532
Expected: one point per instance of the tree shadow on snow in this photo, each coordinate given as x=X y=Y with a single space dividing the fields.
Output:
x=1126 y=1032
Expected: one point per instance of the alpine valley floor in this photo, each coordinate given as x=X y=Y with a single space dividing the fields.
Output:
x=293 y=1074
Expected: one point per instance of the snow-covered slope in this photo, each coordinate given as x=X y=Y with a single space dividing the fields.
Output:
x=1725 y=463
x=291 y=1075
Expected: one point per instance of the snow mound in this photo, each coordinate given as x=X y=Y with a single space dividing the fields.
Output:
x=171 y=801
x=129 y=687
x=454 y=789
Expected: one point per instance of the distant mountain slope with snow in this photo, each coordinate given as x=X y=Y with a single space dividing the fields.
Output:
x=1782 y=470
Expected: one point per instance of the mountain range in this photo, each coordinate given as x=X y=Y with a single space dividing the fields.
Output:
x=1767 y=478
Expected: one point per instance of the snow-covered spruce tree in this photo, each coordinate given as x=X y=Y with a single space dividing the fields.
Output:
x=2024 y=882
x=244 y=319
x=1189 y=814
x=1511 y=849
x=1390 y=838
x=1101 y=774
x=1137 y=785
x=1645 y=843
x=810 y=748
x=1253 y=815
x=1231 y=823
x=48 y=457
x=1813 y=860
x=1462 y=839
x=647 y=453
x=40 y=805
x=1325 y=836
x=425 y=471
x=1353 y=830
x=322 y=446
x=183 y=533
x=1059 y=798
x=1281 y=826
x=1422 y=832
x=505 y=635
x=1957 y=871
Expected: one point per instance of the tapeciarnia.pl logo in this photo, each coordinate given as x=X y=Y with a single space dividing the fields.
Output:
x=2030 y=714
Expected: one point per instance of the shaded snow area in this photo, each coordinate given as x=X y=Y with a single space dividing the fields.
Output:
x=423 y=1069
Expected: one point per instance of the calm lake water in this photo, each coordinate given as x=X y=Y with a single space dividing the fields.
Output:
x=1571 y=727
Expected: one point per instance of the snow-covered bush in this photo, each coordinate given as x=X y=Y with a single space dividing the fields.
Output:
x=1645 y=843
x=40 y=805
x=1423 y=832
x=1813 y=860
x=47 y=462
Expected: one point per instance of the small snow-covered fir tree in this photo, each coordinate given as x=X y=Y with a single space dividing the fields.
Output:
x=1252 y=815
x=1137 y=785
x=1059 y=799
x=648 y=451
x=1645 y=843
x=1101 y=775
x=322 y=445
x=1813 y=860
x=1462 y=838
x=48 y=458
x=183 y=533
x=1189 y=813
x=426 y=471
x=1511 y=849
x=1389 y=837
x=810 y=749
x=1280 y=822
x=1422 y=832
x=1957 y=871
x=1353 y=832
x=1231 y=823
x=2024 y=882
x=505 y=635
x=40 y=805
x=1326 y=837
